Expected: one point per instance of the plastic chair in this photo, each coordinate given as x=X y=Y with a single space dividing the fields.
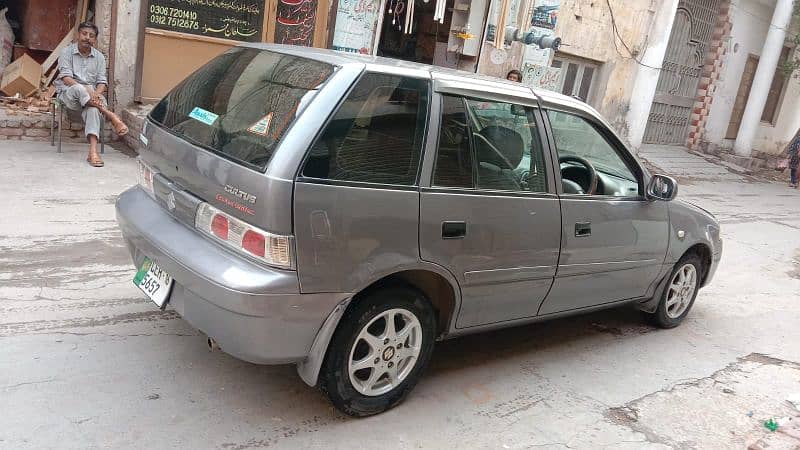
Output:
x=58 y=105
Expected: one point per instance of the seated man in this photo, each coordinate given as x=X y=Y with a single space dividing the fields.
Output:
x=81 y=84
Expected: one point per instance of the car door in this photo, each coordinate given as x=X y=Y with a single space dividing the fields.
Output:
x=614 y=240
x=490 y=214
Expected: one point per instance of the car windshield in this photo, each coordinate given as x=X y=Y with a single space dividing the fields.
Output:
x=241 y=103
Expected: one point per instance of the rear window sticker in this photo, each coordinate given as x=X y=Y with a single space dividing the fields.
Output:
x=262 y=126
x=201 y=115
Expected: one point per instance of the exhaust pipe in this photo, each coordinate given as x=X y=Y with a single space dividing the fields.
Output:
x=212 y=345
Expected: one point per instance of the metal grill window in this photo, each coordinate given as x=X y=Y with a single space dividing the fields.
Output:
x=676 y=91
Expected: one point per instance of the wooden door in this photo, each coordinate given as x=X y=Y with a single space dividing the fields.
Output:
x=741 y=96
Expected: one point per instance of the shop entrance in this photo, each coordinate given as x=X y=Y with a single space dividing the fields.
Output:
x=452 y=42
x=420 y=45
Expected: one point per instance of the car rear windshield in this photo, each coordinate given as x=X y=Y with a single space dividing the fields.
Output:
x=241 y=103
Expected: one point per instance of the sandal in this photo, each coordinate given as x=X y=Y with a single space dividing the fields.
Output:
x=119 y=127
x=95 y=161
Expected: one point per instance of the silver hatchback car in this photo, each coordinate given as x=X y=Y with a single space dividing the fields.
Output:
x=342 y=213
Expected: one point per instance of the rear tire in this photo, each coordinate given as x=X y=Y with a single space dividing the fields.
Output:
x=379 y=351
x=679 y=294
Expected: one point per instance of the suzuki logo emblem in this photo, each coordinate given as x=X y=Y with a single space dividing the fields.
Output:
x=171 y=201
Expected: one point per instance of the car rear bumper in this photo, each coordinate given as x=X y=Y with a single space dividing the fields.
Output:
x=254 y=313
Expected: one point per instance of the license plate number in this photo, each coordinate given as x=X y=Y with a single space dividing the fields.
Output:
x=154 y=282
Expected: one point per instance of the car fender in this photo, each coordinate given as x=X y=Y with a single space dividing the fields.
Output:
x=691 y=225
x=309 y=368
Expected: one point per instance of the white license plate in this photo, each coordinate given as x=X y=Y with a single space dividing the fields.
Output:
x=154 y=282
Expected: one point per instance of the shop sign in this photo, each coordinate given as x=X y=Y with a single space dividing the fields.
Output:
x=240 y=20
x=296 y=21
x=356 y=23
x=541 y=77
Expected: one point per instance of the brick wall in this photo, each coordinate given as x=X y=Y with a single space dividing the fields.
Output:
x=712 y=67
x=36 y=127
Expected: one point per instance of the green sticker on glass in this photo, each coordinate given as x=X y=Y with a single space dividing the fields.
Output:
x=201 y=115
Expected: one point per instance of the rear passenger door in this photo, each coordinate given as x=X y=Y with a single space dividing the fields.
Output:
x=490 y=214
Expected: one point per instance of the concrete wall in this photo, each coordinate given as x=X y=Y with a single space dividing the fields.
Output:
x=102 y=18
x=586 y=32
x=126 y=48
x=750 y=25
x=644 y=26
x=773 y=139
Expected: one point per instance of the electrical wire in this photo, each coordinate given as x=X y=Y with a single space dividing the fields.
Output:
x=624 y=44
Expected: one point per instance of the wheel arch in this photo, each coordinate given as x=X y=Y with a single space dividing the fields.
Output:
x=703 y=251
x=439 y=288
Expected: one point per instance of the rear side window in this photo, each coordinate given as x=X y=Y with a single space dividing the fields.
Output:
x=241 y=103
x=376 y=135
x=489 y=145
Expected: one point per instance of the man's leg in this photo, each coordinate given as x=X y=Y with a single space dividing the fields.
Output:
x=76 y=97
x=91 y=124
x=116 y=122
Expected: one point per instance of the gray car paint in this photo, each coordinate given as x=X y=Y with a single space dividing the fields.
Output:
x=254 y=313
x=350 y=236
x=512 y=241
x=619 y=260
x=375 y=240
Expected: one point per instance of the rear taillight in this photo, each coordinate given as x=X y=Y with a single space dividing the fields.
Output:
x=255 y=243
x=146 y=174
x=219 y=226
x=244 y=238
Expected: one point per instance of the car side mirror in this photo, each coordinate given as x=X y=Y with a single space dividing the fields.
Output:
x=662 y=187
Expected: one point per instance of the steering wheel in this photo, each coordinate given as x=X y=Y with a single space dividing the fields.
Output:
x=590 y=170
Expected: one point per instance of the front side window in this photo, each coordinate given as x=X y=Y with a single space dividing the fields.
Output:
x=489 y=145
x=241 y=103
x=583 y=151
x=376 y=135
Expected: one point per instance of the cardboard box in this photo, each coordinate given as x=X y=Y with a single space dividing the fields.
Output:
x=21 y=77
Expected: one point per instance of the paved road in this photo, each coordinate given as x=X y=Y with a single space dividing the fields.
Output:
x=87 y=362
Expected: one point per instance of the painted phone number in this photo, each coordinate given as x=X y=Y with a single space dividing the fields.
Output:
x=174 y=22
x=173 y=17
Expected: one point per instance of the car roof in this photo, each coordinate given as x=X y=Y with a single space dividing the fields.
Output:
x=392 y=65
x=446 y=79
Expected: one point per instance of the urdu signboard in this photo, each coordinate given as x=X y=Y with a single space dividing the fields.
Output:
x=239 y=20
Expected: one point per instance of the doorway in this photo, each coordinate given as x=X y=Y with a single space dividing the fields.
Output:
x=426 y=43
x=676 y=91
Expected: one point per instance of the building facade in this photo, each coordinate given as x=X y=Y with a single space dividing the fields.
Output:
x=697 y=73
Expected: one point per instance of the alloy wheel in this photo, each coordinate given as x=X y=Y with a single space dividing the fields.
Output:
x=385 y=352
x=681 y=291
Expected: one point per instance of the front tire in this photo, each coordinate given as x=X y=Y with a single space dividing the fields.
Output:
x=379 y=351
x=680 y=292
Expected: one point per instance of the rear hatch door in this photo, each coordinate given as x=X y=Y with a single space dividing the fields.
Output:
x=211 y=138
